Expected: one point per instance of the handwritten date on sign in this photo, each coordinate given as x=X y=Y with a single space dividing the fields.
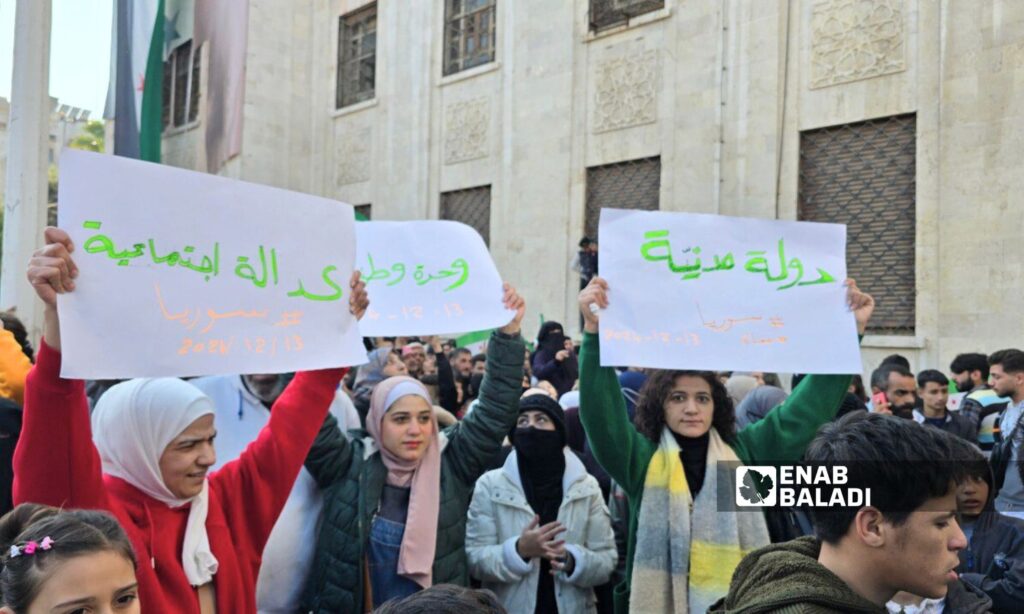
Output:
x=632 y=336
x=666 y=338
x=254 y=345
x=415 y=312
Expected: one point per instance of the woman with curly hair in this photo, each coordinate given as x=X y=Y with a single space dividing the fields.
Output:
x=681 y=550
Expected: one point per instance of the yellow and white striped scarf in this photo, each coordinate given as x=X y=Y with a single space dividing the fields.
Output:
x=684 y=559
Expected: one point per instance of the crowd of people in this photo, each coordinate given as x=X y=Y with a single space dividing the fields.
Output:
x=509 y=477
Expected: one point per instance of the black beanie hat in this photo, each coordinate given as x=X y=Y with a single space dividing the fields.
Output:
x=543 y=403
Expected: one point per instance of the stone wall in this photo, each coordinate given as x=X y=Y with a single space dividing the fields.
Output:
x=980 y=215
x=719 y=89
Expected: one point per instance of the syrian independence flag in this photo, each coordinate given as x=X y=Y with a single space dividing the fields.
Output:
x=145 y=32
x=138 y=70
x=475 y=342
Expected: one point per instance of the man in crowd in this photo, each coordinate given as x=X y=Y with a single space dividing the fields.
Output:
x=994 y=558
x=933 y=388
x=897 y=383
x=242 y=404
x=907 y=540
x=585 y=261
x=438 y=376
x=479 y=364
x=981 y=405
x=896 y=359
x=461 y=361
x=1006 y=372
x=413 y=355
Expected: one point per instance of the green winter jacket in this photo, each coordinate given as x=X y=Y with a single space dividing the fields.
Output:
x=352 y=481
x=787 y=578
x=781 y=436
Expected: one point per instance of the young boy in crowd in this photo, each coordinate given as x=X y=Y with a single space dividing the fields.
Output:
x=994 y=558
x=933 y=389
x=907 y=540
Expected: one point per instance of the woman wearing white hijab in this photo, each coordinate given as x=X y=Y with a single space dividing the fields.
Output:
x=198 y=537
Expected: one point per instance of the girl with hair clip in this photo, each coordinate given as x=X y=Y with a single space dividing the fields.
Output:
x=669 y=463
x=58 y=562
x=147 y=455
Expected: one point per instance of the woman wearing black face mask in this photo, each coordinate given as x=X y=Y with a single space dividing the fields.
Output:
x=538 y=532
x=555 y=358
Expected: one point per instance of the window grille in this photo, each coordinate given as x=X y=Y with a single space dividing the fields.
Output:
x=634 y=184
x=471 y=207
x=863 y=175
x=606 y=14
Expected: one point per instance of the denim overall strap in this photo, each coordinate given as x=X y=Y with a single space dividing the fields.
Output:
x=385 y=544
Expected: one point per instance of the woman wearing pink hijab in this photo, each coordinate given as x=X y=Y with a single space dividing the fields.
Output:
x=396 y=495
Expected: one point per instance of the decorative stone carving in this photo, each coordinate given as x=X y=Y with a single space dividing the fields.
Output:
x=856 y=39
x=466 y=129
x=352 y=151
x=626 y=92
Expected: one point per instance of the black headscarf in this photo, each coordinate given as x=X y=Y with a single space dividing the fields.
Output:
x=540 y=457
x=550 y=340
x=541 y=461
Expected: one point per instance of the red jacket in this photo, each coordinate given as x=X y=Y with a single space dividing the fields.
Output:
x=57 y=464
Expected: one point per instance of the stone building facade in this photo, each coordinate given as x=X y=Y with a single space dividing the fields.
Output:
x=902 y=118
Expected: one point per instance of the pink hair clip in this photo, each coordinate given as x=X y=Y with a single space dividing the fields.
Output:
x=31 y=547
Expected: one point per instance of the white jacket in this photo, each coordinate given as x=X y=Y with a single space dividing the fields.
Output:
x=497 y=516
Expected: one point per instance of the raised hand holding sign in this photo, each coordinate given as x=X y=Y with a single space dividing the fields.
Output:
x=427 y=277
x=693 y=291
x=184 y=273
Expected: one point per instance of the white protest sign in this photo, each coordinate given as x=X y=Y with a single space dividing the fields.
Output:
x=693 y=291
x=427 y=278
x=184 y=273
